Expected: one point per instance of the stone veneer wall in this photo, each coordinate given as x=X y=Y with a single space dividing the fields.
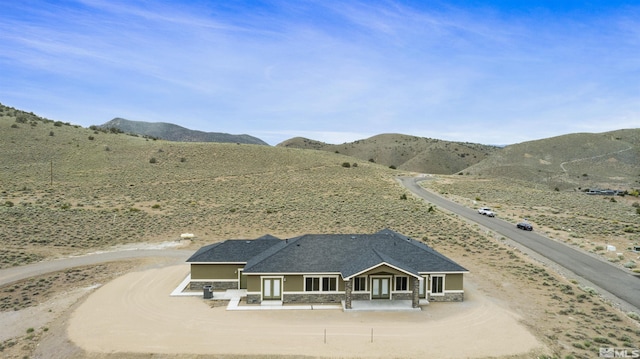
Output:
x=214 y=285
x=313 y=298
x=401 y=296
x=448 y=297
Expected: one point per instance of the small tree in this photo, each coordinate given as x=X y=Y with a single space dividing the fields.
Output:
x=346 y=164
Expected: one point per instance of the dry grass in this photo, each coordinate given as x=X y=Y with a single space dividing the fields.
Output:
x=105 y=191
x=585 y=221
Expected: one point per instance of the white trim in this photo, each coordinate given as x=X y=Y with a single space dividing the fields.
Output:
x=262 y=286
x=304 y=283
x=393 y=288
x=298 y=292
x=380 y=264
x=366 y=284
x=240 y=270
x=371 y=277
x=426 y=273
x=443 y=276
x=295 y=273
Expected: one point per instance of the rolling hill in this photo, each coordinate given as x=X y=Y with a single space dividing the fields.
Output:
x=171 y=132
x=404 y=152
x=578 y=160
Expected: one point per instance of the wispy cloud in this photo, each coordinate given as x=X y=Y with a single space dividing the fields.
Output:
x=332 y=69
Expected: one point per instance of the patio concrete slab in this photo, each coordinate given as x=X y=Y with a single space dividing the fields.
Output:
x=382 y=306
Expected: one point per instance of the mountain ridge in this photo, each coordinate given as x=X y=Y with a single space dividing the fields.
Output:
x=172 y=132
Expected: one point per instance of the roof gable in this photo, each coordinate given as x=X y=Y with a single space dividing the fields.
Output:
x=372 y=259
x=349 y=254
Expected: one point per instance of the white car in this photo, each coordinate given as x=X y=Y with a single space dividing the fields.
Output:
x=486 y=211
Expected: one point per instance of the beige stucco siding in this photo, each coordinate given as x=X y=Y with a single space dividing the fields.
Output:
x=215 y=271
x=383 y=269
x=253 y=283
x=293 y=283
x=453 y=282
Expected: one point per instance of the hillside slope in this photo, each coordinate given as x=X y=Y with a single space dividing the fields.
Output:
x=410 y=153
x=579 y=160
x=171 y=132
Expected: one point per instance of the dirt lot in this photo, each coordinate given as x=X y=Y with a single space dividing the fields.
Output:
x=135 y=314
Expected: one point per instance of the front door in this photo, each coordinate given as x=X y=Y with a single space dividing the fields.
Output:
x=271 y=289
x=380 y=287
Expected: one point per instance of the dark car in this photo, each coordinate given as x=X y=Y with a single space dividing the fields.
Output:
x=524 y=225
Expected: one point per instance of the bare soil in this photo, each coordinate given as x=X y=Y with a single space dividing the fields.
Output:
x=134 y=314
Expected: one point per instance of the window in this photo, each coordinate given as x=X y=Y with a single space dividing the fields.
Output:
x=320 y=284
x=359 y=284
x=312 y=284
x=437 y=284
x=401 y=283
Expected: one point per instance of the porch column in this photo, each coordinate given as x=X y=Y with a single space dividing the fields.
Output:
x=415 y=298
x=348 y=286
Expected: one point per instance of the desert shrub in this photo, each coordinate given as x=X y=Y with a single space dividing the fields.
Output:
x=346 y=164
x=8 y=204
x=153 y=160
x=14 y=126
x=91 y=138
x=392 y=167
x=51 y=133
x=589 y=290
x=372 y=160
x=155 y=206
x=182 y=159
x=634 y=316
x=403 y=196
x=602 y=340
x=630 y=265
x=354 y=165
x=58 y=123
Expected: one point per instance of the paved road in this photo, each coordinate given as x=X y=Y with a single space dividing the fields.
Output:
x=614 y=280
x=14 y=274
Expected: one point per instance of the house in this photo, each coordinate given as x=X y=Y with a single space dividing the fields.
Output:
x=325 y=268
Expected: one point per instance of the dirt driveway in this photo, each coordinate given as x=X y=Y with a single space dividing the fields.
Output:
x=135 y=314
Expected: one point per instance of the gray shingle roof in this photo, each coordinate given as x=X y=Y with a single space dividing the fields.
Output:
x=234 y=250
x=349 y=254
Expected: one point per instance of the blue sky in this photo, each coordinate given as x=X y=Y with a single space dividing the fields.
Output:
x=492 y=72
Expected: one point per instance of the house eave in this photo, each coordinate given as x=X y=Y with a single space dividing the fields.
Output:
x=381 y=264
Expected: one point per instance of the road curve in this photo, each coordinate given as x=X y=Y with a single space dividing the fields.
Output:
x=14 y=274
x=614 y=280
